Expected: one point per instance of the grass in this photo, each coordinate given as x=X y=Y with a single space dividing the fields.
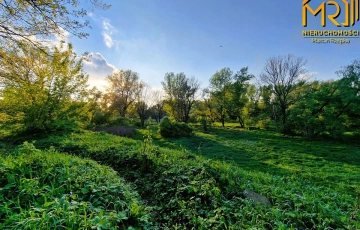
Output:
x=190 y=183
x=334 y=164
x=187 y=190
x=49 y=190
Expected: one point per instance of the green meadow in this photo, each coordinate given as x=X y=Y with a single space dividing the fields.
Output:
x=270 y=143
x=89 y=180
x=331 y=163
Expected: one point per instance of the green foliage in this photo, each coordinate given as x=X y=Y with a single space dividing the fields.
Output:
x=143 y=112
x=42 y=19
x=101 y=118
x=124 y=88
x=41 y=93
x=168 y=128
x=49 y=190
x=118 y=121
x=230 y=95
x=188 y=191
x=220 y=91
x=181 y=93
x=264 y=123
x=328 y=106
x=241 y=95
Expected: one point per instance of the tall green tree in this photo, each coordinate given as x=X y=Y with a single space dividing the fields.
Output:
x=220 y=88
x=240 y=90
x=181 y=95
x=328 y=106
x=350 y=101
x=265 y=107
x=40 y=92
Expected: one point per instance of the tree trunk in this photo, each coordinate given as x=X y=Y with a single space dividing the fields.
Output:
x=242 y=125
x=142 y=122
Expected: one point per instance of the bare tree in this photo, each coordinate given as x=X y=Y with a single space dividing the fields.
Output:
x=124 y=88
x=142 y=104
x=283 y=73
x=158 y=103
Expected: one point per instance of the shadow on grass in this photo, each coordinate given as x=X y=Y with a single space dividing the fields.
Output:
x=331 y=163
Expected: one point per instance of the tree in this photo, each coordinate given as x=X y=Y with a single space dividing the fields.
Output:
x=142 y=106
x=220 y=87
x=239 y=94
x=283 y=73
x=158 y=105
x=209 y=104
x=124 y=88
x=97 y=115
x=181 y=95
x=328 y=106
x=25 y=19
x=40 y=92
x=264 y=106
x=349 y=103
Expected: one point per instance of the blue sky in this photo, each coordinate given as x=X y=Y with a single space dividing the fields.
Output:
x=153 y=37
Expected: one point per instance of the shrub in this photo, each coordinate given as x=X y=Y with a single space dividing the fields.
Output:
x=138 y=124
x=100 y=118
x=264 y=123
x=168 y=128
x=118 y=121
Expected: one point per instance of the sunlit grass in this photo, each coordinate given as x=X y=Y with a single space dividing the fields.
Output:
x=198 y=182
x=335 y=164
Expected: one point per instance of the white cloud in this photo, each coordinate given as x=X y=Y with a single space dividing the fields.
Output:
x=98 y=69
x=108 y=39
x=50 y=41
x=63 y=35
x=307 y=76
x=107 y=32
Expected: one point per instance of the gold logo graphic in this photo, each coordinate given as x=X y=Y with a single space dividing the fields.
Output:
x=351 y=15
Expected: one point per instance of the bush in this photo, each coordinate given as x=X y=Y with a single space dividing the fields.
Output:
x=168 y=128
x=100 y=118
x=264 y=123
x=138 y=124
x=118 y=121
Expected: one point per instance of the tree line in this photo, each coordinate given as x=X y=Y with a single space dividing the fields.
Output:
x=41 y=92
x=44 y=88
